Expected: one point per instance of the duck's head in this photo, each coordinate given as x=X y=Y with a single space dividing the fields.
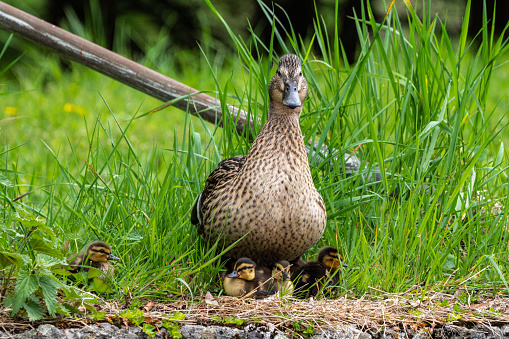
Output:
x=288 y=88
x=99 y=251
x=330 y=258
x=244 y=269
x=281 y=270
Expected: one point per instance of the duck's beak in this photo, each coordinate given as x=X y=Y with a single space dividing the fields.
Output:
x=286 y=277
x=291 y=95
x=112 y=257
x=345 y=264
x=234 y=274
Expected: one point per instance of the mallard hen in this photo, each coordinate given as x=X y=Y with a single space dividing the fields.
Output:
x=267 y=197
x=97 y=255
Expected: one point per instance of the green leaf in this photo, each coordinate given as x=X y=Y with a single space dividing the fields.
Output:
x=39 y=244
x=101 y=287
x=48 y=261
x=70 y=309
x=49 y=290
x=34 y=310
x=93 y=273
x=9 y=258
x=4 y=181
x=29 y=220
x=65 y=310
x=149 y=330
x=26 y=284
x=136 y=317
x=99 y=316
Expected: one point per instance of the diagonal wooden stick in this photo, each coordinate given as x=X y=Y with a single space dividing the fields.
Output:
x=119 y=68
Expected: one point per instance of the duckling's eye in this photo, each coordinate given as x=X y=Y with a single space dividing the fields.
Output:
x=102 y=251
x=278 y=73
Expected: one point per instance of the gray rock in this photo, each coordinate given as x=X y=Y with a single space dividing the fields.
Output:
x=101 y=331
x=106 y=330
x=341 y=334
x=222 y=332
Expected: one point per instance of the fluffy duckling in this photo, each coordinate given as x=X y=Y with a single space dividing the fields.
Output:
x=97 y=255
x=244 y=279
x=267 y=198
x=310 y=278
x=281 y=275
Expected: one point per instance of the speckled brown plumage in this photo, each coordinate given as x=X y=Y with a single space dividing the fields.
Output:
x=268 y=196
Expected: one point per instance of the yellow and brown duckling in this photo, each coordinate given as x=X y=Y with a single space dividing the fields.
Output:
x=313 y=276
x=244 y=279
x=267 y=198
x=97 y=255
x=282 y=281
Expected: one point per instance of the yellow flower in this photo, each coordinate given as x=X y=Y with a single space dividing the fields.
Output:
x=11 y=110
x=71 y=108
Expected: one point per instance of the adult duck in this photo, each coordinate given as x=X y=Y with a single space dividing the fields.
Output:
x=267 y=199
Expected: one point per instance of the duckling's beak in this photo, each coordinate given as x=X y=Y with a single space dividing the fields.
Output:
x=291 y=95
x=234 y=274
x=345 y=264
x=286 y=277
x=112 y=257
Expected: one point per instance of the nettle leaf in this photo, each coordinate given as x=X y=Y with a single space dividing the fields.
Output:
x=29 y=220
x=47 y=231
x=62 y=309
x=49 y=290
x=26 y=284
x=74 y=294
x=48 y=261
x=34 y=309
x=9 y=258
x=67 y=309
x=42 y=246
x=4 y=181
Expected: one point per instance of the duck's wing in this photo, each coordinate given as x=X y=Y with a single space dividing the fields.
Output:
x=75 y=261
x=307 y=279
x=225 y=171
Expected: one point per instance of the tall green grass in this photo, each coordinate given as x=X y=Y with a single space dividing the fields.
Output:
x=414 y=108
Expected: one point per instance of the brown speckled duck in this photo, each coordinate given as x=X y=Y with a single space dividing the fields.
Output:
x=310 y=278
x=268 y=196
x=97 y=255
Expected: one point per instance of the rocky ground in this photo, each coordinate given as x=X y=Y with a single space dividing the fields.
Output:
x=107 y=330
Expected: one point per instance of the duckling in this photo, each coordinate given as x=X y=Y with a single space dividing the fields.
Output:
x=244 y=279
x=310 y=278
x=281 y=275
x=267 y=198
x=97 y=255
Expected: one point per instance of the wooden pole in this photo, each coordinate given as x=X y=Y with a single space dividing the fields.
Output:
x=119 y=68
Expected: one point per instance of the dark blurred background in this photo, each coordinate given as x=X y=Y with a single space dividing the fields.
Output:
x=133 y=26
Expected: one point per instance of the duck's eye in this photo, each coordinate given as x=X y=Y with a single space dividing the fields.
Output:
x=300 y=74
x=278 y=73
x=102 y=251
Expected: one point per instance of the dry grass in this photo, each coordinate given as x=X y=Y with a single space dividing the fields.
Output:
x=395 y=311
